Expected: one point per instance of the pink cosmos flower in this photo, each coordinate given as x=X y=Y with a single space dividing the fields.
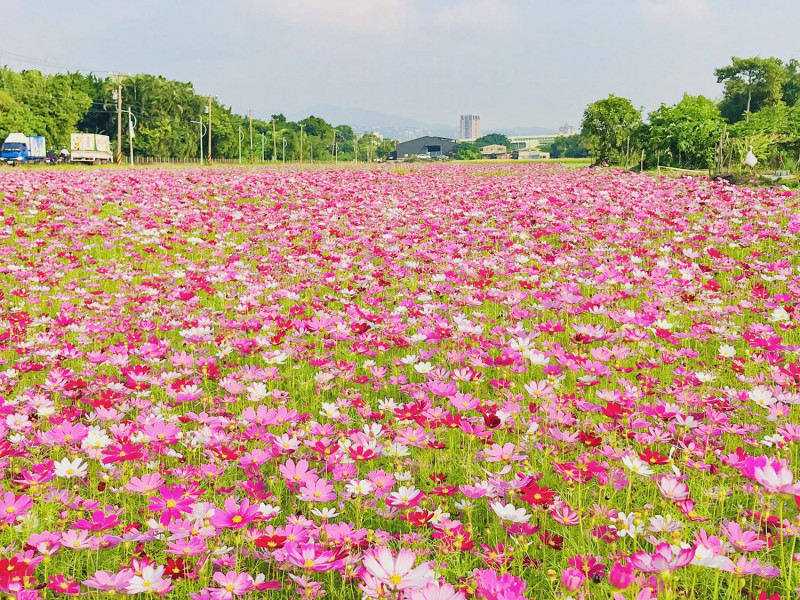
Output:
x=751 y=567
x=172 y=502
x=493 y=587
x=664 y=559
x=105 y=581
x=397 y=572
x=746 y=541
x=231 y=584
x=434 y=591
x=673 y=488
x=317 y=490
x=235 y=516
x=776 y=478
x=506 y=452
x=13 y=507
x=312 y=557
x=145 y=484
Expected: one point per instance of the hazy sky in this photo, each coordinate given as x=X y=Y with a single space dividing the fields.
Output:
x=514 y=62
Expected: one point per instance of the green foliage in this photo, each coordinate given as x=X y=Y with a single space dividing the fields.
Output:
x=773 y=131
x=493 y=138
x=684 y=134
x=166 y=114
x=466 y=151
x=753 y=83
x=573 y=146
x=607 y=126
x=36 y=104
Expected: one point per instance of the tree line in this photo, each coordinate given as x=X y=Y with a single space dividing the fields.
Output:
x=760 y=107
x=166 y=115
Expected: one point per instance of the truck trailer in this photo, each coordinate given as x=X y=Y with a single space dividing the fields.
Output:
x=90 y=148
x=19 y=149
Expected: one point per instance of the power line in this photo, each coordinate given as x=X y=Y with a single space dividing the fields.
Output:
x=48 y=63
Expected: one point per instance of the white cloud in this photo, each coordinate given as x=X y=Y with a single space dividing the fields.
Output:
x=476 y=14
x=365 y=16
x=674 y=10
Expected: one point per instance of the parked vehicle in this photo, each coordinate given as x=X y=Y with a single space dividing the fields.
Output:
x=90 y=148
x=21 y=149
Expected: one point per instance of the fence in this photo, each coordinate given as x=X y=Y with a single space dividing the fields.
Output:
x=152 y=160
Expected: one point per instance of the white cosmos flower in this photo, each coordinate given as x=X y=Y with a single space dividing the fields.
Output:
x=727 y=351
x=704 y=377
x=762 y=396
x=70 y=468
x=423 y=367
x=637 y=465
x=778 y=315
x=509 y=512
x=325 y=513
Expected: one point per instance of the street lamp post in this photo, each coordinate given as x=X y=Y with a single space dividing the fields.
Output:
x=310 y=152
x=262 y=147
x=202 y=127
x=284 y=150
x=131 y=125
x=241 y=137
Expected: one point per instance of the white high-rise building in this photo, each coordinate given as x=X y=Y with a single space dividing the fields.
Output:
x=470 y=127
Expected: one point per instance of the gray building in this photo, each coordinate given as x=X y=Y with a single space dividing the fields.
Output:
x=429 y=146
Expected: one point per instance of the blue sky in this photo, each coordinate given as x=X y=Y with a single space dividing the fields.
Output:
x=514 y=62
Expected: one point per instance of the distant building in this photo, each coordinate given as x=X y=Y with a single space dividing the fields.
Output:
x=566 y=130
x=520 y=142
x=530 y=154
x=428 y=146
x=494 y=151
x=470 y=127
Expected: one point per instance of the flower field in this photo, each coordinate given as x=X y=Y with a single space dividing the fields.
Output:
x=436 y=383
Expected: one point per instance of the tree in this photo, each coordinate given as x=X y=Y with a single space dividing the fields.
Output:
x=572 y=146
x=608 y=125
x=751 y=83
x=773 y=131
x=685 y=133
x=493 y=139
x=466 y=151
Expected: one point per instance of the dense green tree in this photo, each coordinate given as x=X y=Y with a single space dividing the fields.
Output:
x=466 y=151
x=752 y=83
x=607 y=126
x=36 y=104
x=684 y=134
x=491 y=139
x=571 y=146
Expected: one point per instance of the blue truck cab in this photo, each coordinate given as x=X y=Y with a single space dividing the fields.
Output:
x=19 y=148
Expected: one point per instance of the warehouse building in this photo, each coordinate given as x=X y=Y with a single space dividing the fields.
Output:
x=428 y=146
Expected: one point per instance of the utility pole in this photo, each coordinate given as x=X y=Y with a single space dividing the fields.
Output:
x=251 y=136
x=209 y=130
x=119 y=118
x=301 y=142
x=274 y=142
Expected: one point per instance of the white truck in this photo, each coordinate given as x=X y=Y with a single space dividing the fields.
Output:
x=90 y=148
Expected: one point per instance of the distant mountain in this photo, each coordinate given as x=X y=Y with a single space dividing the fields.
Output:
x=394 y=126
x=511 y=131
x=361 y=120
